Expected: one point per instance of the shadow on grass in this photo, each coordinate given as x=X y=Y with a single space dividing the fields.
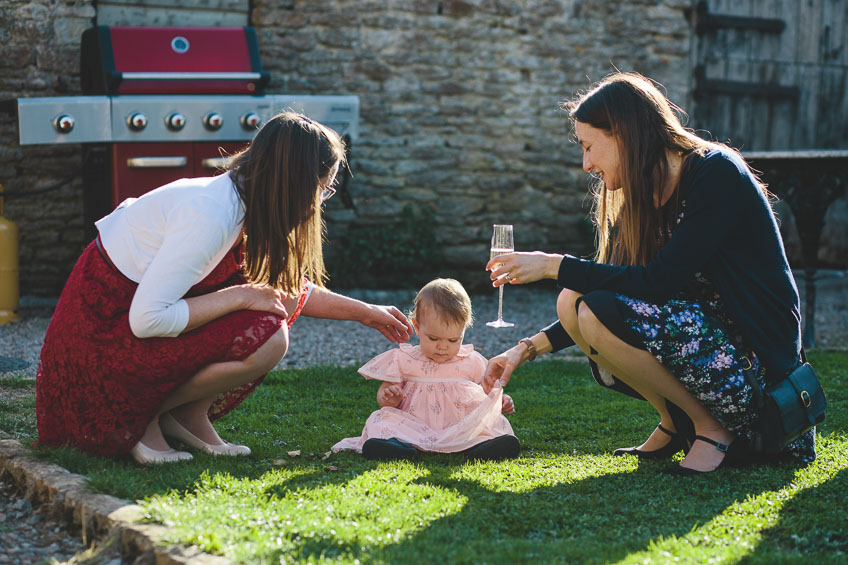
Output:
x=565 y=520
x=598 y=512
x=600 y=518
x=588 y=520
x=808 y=527
x=559 y=409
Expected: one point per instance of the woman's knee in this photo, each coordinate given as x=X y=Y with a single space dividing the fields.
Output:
x=567 y=310
x=269 y=353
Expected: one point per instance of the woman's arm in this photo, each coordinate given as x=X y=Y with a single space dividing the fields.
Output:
x=207 y=307
x=500 y=367
x=719 y=194
x=523 y=267
x=388 y=320
x=197 y=240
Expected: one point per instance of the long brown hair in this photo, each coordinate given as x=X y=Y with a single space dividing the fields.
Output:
x=630 y=227
x=277 y=178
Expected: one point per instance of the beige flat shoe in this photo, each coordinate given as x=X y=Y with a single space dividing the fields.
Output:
x=171 y=427
x=147 y=456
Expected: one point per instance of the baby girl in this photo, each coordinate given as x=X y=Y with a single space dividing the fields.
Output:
x=431 y=397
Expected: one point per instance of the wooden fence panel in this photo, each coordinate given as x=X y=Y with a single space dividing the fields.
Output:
x=767 y=85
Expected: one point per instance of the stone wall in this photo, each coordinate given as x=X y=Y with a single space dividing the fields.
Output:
x=39 y=56
x=459 y=105
x=459 y=111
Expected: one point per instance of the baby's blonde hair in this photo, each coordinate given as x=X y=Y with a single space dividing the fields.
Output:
x=447 y=298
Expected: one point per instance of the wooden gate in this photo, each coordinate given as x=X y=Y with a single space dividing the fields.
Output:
x=771 y=74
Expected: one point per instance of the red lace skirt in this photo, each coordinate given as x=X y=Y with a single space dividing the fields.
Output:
x=98 y=386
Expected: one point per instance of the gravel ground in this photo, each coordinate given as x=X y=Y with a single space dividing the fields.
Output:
x=330 y=342
x=26 y=536
x=315 y=341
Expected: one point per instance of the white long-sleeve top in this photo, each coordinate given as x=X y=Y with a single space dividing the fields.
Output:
x=167 y=241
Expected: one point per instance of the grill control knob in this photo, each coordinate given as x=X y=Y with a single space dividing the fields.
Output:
x=63 y=123
x=250 y=121
x=175 y=121
x=137 y=121
x=213 y=121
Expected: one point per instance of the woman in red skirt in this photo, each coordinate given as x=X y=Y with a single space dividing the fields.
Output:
x=182 y=304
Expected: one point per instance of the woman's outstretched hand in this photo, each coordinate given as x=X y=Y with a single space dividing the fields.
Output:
x=389 y=321
x=500 y=368
x=523 y=267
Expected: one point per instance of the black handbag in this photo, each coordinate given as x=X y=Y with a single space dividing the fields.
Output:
x=787 y=409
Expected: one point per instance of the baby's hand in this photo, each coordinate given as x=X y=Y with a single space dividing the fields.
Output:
x=393 y=395
x=507 y=405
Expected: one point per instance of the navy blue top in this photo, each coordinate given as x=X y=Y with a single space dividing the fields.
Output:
x=730 y=235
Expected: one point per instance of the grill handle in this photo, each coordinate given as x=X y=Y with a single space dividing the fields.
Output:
x=190 y=76
x=216 y=162
x=113 y=79
x=156 y=162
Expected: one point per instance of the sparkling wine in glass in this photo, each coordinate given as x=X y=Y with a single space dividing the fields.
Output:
x=501 y=243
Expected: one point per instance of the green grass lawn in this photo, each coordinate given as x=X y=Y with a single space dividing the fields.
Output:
x=565 y=500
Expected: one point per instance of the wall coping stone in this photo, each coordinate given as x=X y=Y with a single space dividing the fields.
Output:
x=99 y=516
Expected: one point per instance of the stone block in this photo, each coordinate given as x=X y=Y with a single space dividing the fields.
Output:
x=374 y=70
x=69 y=30
x=35 y=11
x=422 y=195
x=466 y=255
x=437 y=179
x=335 y=214
x=17 y=56
x=379 y=207
x=371 y=167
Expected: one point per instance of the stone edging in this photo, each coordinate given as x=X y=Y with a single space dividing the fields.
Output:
x=98 y=515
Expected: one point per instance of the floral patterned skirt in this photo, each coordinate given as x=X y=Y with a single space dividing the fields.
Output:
x=98 y=386
x=693 y=343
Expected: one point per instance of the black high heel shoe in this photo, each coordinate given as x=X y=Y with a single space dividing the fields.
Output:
x=732 y=456
x=673 y=446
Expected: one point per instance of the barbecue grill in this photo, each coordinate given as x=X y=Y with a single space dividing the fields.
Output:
x=162 y=103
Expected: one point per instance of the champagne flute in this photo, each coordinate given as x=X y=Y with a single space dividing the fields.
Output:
x=501 y=243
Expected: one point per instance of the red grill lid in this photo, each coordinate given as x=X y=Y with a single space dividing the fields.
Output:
x=171 y=60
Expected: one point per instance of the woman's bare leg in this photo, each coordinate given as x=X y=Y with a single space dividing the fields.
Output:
x=641 y=370
x=189 y=404
x=568 y=316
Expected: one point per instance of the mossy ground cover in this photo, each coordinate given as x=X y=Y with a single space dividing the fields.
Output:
x=565 y=500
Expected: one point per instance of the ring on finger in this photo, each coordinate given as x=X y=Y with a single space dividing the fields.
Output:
x=508 y=278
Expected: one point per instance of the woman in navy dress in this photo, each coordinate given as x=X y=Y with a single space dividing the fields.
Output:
x=690 y=286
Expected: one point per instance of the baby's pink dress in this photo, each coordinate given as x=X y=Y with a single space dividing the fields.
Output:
x=445 y=408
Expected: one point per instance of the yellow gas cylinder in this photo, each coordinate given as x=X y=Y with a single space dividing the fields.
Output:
x=8 y=268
